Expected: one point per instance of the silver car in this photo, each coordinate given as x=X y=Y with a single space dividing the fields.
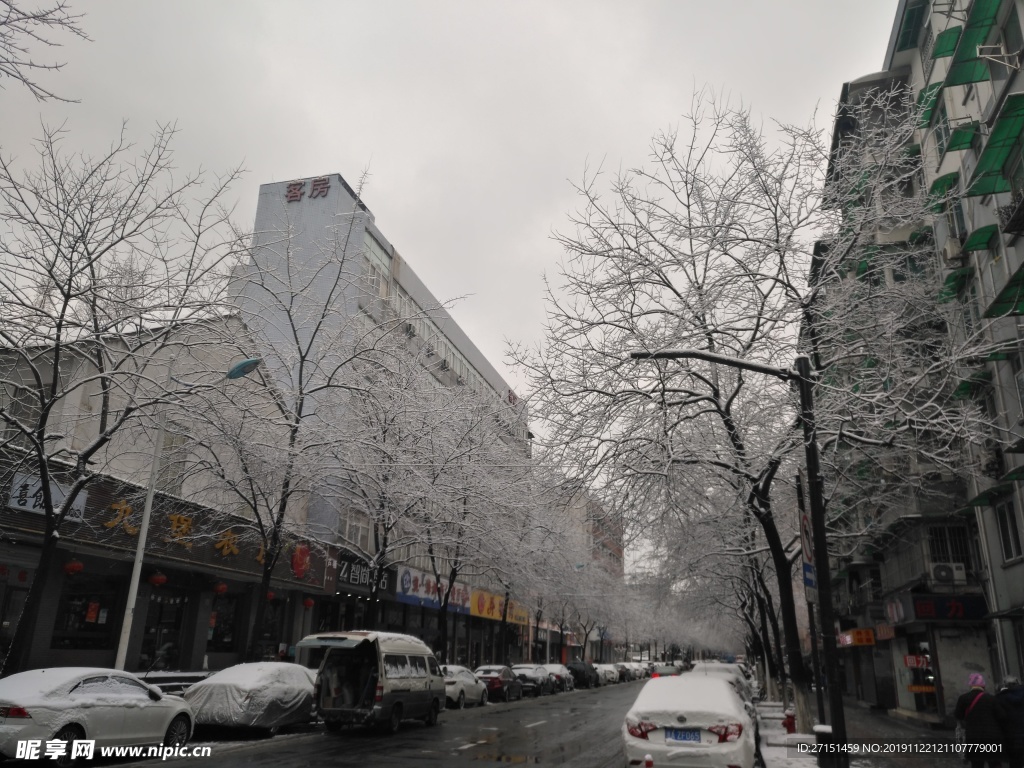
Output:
x=69 y=704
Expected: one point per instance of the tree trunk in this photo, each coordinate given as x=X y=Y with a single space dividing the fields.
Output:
x=502 y=644
x=25 y=631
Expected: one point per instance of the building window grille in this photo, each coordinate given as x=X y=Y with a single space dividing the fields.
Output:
x=1009 y=532
x=949 y=544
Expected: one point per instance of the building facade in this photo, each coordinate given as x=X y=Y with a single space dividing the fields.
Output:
x=937 y=592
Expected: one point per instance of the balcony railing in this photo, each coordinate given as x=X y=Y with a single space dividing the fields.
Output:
x=1011 y=217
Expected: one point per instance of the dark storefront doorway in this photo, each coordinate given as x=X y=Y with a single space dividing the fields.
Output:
x=161 y=643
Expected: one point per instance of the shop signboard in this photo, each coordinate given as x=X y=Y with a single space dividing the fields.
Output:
x=856 y=637
x=916 y=661
x=907 y=608
x=921 y=688
x=417 y=587
x=27 y=496
x=884 y=632
x=486 y=605
x=352 y=574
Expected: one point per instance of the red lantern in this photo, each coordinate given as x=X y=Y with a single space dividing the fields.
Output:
x=308 y=602
x=158 y=579
x=71 y=567
x=270 y=595
x=220 y=588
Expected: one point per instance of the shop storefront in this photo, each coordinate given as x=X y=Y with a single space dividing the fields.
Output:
x=196 y=596
x=938 y=640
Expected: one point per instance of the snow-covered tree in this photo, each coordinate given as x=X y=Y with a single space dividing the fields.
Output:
x=104 y=260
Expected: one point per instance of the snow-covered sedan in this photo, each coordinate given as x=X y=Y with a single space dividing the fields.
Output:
x=536 y=680
x=689 y=720
x=563 y=677
x=608 y=672
x=267 y=695
x=69 y=704
x=462 y=687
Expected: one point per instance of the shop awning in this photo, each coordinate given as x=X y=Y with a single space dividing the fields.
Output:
x=922 y=235
x=962 y=137
x=988 y=175
x=945 y=42
x=926 y=100
x=970 y=386
x=954 y=283
x=1010 y=300
x=966 y=67
x=981 y=238
x=1014 y=474
x=987 y=497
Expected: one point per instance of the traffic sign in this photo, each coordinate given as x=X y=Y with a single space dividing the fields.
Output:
x=810 y=583
x=806 y=539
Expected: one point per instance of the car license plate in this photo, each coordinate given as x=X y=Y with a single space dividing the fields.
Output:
x=682 y=734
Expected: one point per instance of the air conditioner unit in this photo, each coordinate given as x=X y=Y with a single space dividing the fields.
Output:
x=429 y=349
x=953 y=255
x=949 y=573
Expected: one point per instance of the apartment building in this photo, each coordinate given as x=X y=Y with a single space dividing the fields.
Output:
x=938 y=591
x=318 y=250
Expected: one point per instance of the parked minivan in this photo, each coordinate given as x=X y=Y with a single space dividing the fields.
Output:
x=375 y=678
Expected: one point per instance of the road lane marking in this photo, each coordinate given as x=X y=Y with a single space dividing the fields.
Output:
x=539 y=722
x=467 y=746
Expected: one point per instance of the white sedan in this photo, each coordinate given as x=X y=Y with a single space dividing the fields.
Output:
x=462 y=687
x=266 y=694
x=69 y=704
x=608 y=672
x=689 y=720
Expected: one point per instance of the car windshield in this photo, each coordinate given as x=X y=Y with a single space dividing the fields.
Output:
x=489 y=670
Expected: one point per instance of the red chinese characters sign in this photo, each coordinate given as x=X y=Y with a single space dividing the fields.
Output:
x=916 y=661
x=294 y=191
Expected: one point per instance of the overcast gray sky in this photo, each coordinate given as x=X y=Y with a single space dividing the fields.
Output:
x=472 y=116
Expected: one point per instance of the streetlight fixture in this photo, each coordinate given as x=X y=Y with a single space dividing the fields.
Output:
x=236 y=371
x=800 y=374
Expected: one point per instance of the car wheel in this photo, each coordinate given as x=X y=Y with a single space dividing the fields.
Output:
x=177 y=732
x=68 y=734
x=395 y=721
x=483 y=697
x=431 y=719
x=461 y=703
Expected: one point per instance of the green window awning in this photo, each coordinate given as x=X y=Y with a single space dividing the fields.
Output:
x=962 y=137
x=945 y=42
x=987 y=497
x=966 y=67
x=912 y=150
x=981 y=238
x=973 y=384
x=954 y=283
x=994 y=356
x=1010 y=300
x=922 y=235
x=926 y=101
x=1013 y=474
x=940 y=187
x=988 y=176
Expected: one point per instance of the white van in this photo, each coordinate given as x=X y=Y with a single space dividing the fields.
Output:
x=375 y=678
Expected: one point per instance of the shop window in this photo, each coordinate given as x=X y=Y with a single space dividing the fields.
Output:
x=220 y=636
x=1009 y=532
x=86 y=614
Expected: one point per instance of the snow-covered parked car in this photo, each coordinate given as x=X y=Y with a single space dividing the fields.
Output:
x=70 y=704
x=266 y=694
x=689 y=720
x=608 y=672
x=728 y=672
x=462 y=687
x=562 y=676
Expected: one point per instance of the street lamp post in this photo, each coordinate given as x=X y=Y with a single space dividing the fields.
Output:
x=801 y=376
x=236 y=371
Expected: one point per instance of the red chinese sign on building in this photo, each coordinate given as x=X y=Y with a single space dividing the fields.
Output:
x=856 y=637
x=295 y=190
x=916 y=661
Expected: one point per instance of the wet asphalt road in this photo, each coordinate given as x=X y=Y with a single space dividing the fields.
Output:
x=578 y=730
